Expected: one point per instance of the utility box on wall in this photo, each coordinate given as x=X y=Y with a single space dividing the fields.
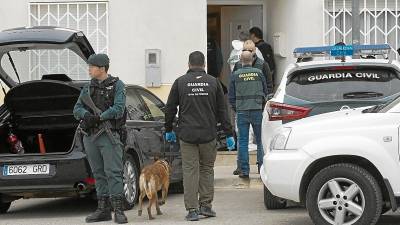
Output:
x=153 y=67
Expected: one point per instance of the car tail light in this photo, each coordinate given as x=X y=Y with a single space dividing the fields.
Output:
x=280 y=111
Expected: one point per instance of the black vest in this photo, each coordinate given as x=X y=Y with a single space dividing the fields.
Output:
x=103 y=95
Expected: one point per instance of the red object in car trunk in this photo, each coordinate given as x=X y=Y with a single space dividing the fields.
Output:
x=90 y=181
x=16 y=145
x=280 y=111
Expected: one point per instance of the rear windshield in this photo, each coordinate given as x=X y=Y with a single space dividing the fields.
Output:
x=343 y=84
x=34 y=64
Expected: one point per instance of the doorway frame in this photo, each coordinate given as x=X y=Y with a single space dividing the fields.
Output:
x=262 y=3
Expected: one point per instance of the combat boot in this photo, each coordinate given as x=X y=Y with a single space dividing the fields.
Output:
x=103 y=211
x=119 y=215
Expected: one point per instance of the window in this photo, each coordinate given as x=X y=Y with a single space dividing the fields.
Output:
x=89 y=17
x=154 y=104
x=379 y=22
x=136 y=110
x=337 y=85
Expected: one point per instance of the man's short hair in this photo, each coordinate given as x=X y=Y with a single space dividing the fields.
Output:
x=246 y=58
x=257 y=32
x=196 y=59
x=249 y=45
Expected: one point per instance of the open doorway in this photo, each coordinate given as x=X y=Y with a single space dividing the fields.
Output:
x=224 y=24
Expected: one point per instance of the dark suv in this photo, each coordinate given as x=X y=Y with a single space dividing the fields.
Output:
x=37 y=112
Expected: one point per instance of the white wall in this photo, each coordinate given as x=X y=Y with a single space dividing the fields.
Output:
x=301 y=23
x=13 y=13
x=176 y=27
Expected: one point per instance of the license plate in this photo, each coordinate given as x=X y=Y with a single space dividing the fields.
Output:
x=36 y=169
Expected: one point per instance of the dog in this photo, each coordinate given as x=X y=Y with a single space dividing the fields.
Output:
x=154 y=177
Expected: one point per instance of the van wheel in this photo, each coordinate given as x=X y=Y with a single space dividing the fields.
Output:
x=4 y=207
x=344 y=194
x=273 y=202
x=131 y=182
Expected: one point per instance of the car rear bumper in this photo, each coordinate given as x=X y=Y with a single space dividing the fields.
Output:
x=282 y=172
x=66 y=171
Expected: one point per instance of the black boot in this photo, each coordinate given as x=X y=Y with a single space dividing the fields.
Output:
x=103 y=212
x=207 y=211
x=119 y=215
x=193 y=215
x=237 y=171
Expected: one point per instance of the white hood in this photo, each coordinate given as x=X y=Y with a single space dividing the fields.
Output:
x=237 y=45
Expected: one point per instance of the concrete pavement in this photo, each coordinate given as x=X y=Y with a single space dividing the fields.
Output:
x=233 y=206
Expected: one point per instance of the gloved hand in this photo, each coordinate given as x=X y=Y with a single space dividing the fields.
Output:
x=91 y=120
x=170 y=136
x=230 y=143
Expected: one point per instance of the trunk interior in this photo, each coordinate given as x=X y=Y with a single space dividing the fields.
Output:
x=40 y=116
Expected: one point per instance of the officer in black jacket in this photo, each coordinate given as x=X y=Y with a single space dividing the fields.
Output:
x=201 y=105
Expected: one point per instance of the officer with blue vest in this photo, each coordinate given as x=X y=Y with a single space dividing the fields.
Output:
x=247 y=94
x=104 y=152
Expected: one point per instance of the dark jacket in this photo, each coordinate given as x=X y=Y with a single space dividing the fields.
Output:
x=201 y=106
x=267 y=52
x=263 y=66
x=109 y=96
x=215 y=60
x=247 y=89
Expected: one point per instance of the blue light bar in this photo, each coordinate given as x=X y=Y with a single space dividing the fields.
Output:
x=342 y=50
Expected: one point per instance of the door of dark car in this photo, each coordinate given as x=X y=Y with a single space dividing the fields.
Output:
x=139 y=124
x=165 y=150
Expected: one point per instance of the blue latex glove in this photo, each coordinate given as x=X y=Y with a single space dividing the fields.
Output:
x=230 y=143
x=170 y=136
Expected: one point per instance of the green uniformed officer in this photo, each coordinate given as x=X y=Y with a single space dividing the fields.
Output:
x=103 y=153
x=260 y=64
x=247 y=94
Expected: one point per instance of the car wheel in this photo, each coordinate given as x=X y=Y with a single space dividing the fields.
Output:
x=273 y=202
x=344 y=194
x=131 y=182
x=4 y=207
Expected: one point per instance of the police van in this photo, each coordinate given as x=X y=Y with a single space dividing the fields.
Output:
x=341 y=82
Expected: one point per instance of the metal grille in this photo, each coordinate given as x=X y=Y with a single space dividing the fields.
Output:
x=379 y=22
x=89 y=17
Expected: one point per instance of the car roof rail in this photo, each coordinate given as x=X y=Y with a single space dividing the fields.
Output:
x=341 y=51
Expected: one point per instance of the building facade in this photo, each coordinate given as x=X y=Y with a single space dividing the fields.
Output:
x=127 y=29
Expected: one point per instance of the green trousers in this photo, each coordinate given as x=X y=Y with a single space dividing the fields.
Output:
x=105 y=159
x=198 y=173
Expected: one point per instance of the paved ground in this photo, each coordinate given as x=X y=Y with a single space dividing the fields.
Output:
x=234 y=206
